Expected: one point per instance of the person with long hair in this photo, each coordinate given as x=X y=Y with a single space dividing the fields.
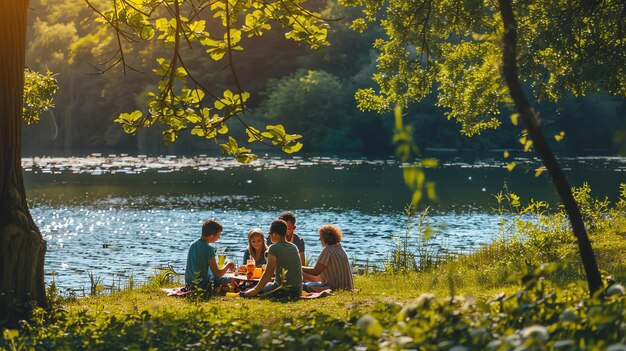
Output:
x=256 y=247
x=283 y=262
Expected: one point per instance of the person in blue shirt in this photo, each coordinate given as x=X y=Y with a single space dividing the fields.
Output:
x=202 y=267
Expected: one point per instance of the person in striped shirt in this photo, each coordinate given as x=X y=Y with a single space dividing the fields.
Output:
x=332 y=269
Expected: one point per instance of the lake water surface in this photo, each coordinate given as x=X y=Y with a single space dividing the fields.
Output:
x=121 y=216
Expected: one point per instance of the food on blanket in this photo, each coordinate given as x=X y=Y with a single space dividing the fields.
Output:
x=242 y=269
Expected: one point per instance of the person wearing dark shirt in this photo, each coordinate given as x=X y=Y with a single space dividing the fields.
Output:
x=283 y=262
x=291 y=237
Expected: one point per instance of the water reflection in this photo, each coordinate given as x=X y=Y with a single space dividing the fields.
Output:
x=121 y=241
x=118 y=216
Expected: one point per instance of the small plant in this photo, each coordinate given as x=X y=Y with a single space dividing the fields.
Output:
x=414 y=251
x=164 y=276
x=95 y=285
x=364 y=269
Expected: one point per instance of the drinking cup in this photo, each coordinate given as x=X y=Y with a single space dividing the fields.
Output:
x=250 y=265
x=221 y=260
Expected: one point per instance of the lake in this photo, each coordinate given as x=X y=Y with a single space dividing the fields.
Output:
x=118 y=216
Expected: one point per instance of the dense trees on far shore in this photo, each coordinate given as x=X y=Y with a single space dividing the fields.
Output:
x=306 y=90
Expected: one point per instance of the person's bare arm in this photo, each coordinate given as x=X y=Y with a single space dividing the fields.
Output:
x=302 y=257
x=265 y=278
x=317 y=270
x=219 y=272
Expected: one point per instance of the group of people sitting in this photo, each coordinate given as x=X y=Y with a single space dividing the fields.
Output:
x=282 y=254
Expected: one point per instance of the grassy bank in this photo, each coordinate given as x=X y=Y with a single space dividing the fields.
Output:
x=500 y=297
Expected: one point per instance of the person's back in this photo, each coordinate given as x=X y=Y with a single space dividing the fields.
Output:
x=197 y=269
x=291 y=236
x=202 y=269
x=283 y=261
x=338 y=272
x=288 y=271
x=332 y=269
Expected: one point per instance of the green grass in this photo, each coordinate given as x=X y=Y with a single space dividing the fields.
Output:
x=473 y=302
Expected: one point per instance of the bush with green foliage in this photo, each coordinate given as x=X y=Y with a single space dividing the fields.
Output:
x=539 y=316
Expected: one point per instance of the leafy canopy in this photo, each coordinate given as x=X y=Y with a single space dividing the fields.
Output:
x=179 y=101
x=453 y=47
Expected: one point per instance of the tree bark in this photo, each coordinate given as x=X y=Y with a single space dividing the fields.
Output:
x=22 y=248
x=533 y=126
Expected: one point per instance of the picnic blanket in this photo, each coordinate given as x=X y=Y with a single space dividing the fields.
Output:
x=181 y=291
x=315 y=295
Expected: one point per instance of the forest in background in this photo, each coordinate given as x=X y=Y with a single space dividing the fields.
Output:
x=310 y=92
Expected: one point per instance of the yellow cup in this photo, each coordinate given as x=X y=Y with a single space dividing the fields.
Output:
x=221 y=259
x=258 y=272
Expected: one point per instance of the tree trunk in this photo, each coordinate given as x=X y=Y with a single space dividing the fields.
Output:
x=22 y=248
x=533 y=126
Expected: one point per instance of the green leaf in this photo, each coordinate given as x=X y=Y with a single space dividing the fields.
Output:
x=559 y=136
x=246 y=158
x=290 y=149
x=193 y=118
x=510 y=166
x=10 y=334
x=253 y=134
x=540 y=170
x=198 y=131
x=430 y=163
x=223 y=129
